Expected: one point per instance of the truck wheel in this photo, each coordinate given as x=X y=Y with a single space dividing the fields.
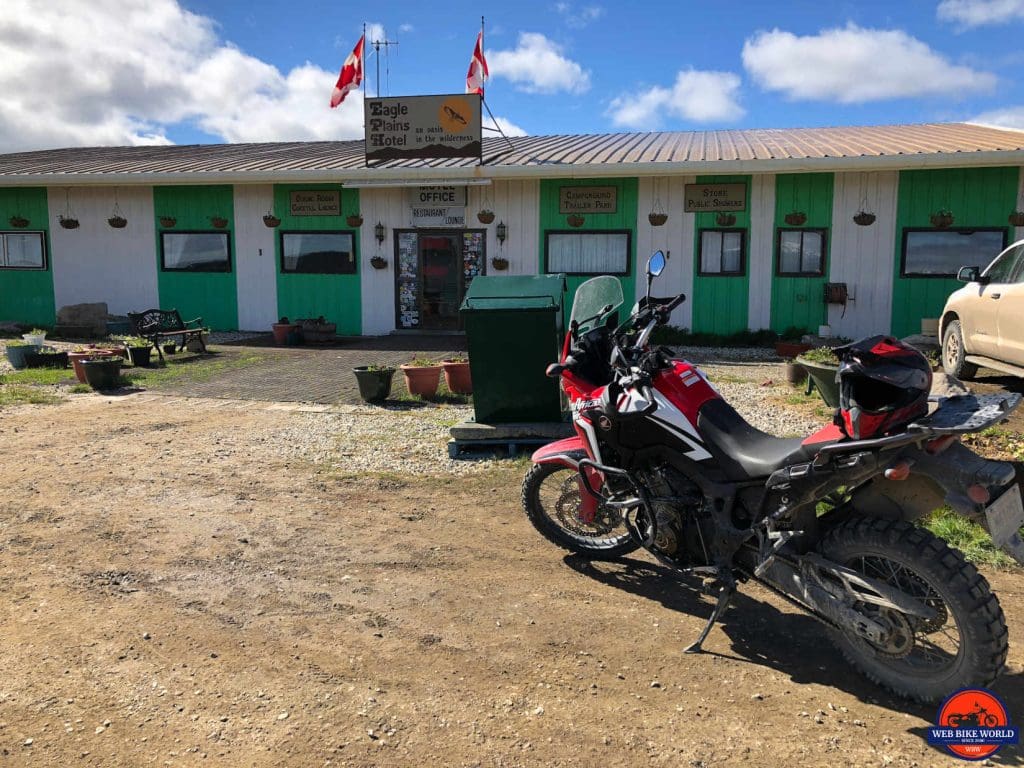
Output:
x=954 y=353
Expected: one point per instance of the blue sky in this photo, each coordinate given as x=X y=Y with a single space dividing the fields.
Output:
x=186 y=71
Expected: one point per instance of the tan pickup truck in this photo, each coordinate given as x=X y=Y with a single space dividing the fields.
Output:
x=982 y=324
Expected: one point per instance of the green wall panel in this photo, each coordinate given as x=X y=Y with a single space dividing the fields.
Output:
x=721 y=304
x=624 y=218
x=337 y=297
x=26 y=296
x=978 y=197
x=212 y=296
x=799 y=301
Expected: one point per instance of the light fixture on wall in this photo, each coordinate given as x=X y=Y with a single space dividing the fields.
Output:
x=380 y=231
x=501 y=232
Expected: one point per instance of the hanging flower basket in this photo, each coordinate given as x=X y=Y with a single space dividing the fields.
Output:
x=18 y=222
x=574 y=220
x=657 y=219
x=167 y=221
x=218 y=221
x=864 y=219
x=796 y=218
x=117 y=222
x=378 y=262
x=1016 y=219
x=485 y=216
x=725 y=219
x=68 y=222
x=942 y=219
x=500 y=263
x=354 y=220
x=271 y=220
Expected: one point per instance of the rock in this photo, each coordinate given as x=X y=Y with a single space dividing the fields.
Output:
x=758 y=697
x=539 y=711
x=146 y=636
x=28 y=742
x=655 y=684
x=283 y=716
x=92 y=316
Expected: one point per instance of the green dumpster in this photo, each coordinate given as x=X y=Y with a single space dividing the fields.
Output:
x=514 y=332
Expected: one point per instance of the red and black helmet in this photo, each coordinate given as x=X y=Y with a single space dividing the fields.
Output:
x=883 y=385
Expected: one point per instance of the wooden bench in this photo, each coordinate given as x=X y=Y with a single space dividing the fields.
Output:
x=159 y=324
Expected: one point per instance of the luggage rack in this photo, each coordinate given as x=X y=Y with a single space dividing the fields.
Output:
x=967 y=413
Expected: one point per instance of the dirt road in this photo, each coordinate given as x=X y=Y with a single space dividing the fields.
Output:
x=176 y=589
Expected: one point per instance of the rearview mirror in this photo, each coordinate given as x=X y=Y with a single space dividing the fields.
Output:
x=656 y=264
x=968 y=275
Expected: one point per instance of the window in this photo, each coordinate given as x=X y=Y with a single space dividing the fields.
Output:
x=1003 y=268
x=941 y=253
x=195 y=251
x=22 y=250
x=318 y=253
x=587 y=253
x=721 y=252
x=800 y=253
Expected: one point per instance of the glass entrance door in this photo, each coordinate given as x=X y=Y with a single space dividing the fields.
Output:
x=440 y=257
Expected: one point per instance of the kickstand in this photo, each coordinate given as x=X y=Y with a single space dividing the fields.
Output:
x=725 y=593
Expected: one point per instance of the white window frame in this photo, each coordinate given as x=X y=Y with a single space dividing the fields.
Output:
x=556 y=262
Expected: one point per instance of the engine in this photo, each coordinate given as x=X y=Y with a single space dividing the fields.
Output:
x=680 y=517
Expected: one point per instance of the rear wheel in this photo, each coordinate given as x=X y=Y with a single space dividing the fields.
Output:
x=551 y=498
x=954 y=353
x=964 y=645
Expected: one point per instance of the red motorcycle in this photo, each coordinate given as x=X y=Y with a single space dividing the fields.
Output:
x=661 y=461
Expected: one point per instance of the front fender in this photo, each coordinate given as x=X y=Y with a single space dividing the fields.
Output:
x=568 y=452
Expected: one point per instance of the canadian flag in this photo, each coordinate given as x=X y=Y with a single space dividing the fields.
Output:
x=478 y=73
x=351 y=75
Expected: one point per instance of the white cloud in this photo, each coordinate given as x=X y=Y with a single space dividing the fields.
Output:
x=115 y=72
x=577 y=18
x=853 y=65
x=406 y=28
x=697 y=96
x=375 y=31
x=507 y=126
x=974 y=13
x=1007 y=117
x=536 y=65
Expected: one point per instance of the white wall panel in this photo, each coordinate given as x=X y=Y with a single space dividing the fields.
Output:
x=390 y=207
x=97 y=262
x=675 y=237
x=862 y=257
x=255 y=261
x=517 y=203
x=760 y=252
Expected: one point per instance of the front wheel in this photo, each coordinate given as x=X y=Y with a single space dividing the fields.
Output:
x=963 y=646
x=551 y=498
x=954 y=353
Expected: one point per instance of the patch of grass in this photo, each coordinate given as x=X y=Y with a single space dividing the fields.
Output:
x=997 y=443
x=80 y=389
x=39 y=376
x=970 y=538
x=188 y=368
x=17 y=394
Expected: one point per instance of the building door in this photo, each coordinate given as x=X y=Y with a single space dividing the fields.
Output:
x=434 y=270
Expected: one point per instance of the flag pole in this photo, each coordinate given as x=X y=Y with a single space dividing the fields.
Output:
x=483 y=99
x=364 y=58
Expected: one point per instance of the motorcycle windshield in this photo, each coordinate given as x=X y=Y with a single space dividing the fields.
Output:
x=595 y=300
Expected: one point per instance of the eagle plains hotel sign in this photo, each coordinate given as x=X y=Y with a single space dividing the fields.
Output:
x=423 y=126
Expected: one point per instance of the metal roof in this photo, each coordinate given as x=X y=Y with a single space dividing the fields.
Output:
x=764 y=150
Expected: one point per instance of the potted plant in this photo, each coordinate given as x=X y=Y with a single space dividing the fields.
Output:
x=942 y=219
x=68 y=222
x=35 y=336
x=457 y=376
x=117 y=221
x=102 y=371
x=47 y=357
x=318 y=330
x=18 y=222
x=378 y=262
x=795 y=218
x=170 y=348
x=374 y=382
x=167 y=221
x=795 y=373
x=725 y=219
x=789 y=344
x=218 y=221
x=79 y=354
x=281 y=329
x=270 y=220
x=422 y=377
x=500 y=263
x=486 y=216
x=1016 y=219
x=822 y=365
x=354 y=219
x=863 y=218
x=139 y=350
x=657 y=218
x=16 y=351
x=574 y=220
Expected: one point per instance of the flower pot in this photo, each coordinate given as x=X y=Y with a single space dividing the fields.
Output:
x=864 y=219
x=796 y=218
x=219 y=222
x=725 y=219
x=457 y=377
x=34 y=338
x=378 y=262
x=18 y=222
x=354 y=220
x=795 y=373
x=140 y=356
x=499 y=263
x=790 y=349
x=170 y=349
x=315 y=331
x=167 y=221
x=281 y=331
x=485 y=217
x=374 y=384
x=102 y=374
x=76 y=359
x=574 y=220
x=68 y=222
x=16 y=355
x=422 y=380
x=657 y=219
x=822 y=378
x=271 y=221
x=43 y=359
x=117 y=222
x=941 y=220
x=1016 y=219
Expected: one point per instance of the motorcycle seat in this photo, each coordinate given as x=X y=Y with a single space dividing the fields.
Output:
x=743 y=451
